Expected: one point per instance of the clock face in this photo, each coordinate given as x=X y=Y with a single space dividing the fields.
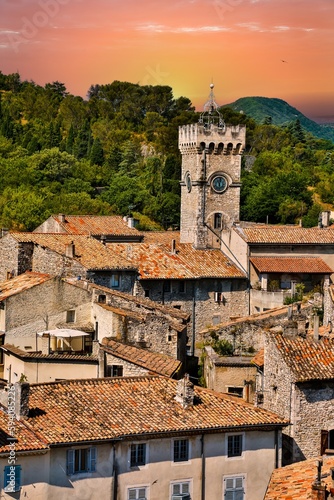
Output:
x=188 y=182
x=219 y=183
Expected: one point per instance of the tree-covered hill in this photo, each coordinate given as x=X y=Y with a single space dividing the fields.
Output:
x=279 y=112
x=116 y=152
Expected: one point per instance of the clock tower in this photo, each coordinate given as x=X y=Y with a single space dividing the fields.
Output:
x=210 y=179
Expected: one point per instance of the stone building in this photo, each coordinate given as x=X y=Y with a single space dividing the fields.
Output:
x=210 y=179
x=299 y=386
x=137 y=437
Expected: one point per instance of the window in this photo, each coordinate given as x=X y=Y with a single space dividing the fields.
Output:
x=115 y=279
x=182 y=286
x=146 y=293
x=114 y=371
x=234 y=488
x=137 y=493
x=12 y=478
x=166 y=286
x=234 y=445
x=217 y=221
x=181 y=450
x=81 y=460
x=102 y=299
x=70 y=316
x=236 y=391
x=138 y=455
x=181 y=491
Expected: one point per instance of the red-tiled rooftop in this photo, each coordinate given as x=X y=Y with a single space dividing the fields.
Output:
x=258 y=359
x=104 y=409
x=155 y=362
x=281 y=235
x=21 y=283
x=91 y=253
x=307 y=358
x=26 y=439
x=95 y=225
x=312 y=265
x=159 y=262
x=294 y=482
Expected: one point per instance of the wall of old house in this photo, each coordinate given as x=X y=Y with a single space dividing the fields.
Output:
x=43 y=370
x=45 y=476
x=154 y=331
x=198 y=299
x=46 y=261
x=43 y=307
x=129 y=369
x=104 y=278
x=9 y=251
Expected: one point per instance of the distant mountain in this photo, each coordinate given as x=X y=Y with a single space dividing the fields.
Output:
x=281 y=113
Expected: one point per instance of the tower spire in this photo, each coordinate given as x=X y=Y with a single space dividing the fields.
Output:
x=210 y=115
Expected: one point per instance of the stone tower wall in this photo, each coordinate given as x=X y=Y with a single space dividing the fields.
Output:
x=206 y=152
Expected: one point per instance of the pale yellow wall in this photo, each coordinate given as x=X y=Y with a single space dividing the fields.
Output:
x=238 y=248
x=46 y=372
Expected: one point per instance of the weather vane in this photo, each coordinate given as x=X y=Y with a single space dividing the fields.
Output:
x=210 y=115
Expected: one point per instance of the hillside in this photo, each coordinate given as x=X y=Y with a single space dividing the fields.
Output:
x=281 y=113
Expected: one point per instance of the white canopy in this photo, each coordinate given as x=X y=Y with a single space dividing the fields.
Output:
x=63 y=332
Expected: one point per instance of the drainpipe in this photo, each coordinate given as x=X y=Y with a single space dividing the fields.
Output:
x=203 y=468
x=114 y=475
x=193 y=326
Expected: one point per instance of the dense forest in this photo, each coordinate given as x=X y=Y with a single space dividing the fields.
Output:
x=116 y=152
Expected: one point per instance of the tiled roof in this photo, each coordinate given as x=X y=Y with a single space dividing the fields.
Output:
x=161 y=237
x=309 y=265
x=88 y=251
x=103 y=409
x=38 y=355
x=294 y=482
x=96 y=225
x=159 y=262
x=152 y=361
x=21 y=283
x=218 y=360
x=258 y=359
x=27 y=440
x=308 y=359
x=281 y=235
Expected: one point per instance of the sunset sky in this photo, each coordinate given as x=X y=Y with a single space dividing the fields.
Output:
x=271 y=48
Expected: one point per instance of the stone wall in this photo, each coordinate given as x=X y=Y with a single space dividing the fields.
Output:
x=43 y=307
x=129 y=369
x=9 y=263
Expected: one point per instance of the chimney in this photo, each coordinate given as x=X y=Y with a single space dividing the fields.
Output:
x=103 y=239
x=70 y=250
x=173 y=246
x=21 y=399
x=316 y=327
x=4 y=231
x=62 y=218
x=185 y=392
x=131 y=222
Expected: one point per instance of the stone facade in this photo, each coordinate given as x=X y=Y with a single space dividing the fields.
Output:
x=209 y=152
x=128 y=369
x=307 y=405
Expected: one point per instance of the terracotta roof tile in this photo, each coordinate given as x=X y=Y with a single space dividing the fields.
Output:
x=294 y=482
x=161 y=237
x=312 y=265
x=27 y=440
x=21 y=283
x=102 y=409
x=281 y=235
x=308 y=359
x=258 y=359
x=152 y=361
x=96 y=225
x=16 y=351
x=91 y=253
x=159 y=262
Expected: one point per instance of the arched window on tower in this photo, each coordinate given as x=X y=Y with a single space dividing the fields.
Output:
x=211 y=148
x=220 y=148
x=238 y=148
x=229 y=148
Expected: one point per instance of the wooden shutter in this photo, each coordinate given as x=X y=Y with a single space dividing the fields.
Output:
x=70 y=462
x=92 y=459
x=324 y=442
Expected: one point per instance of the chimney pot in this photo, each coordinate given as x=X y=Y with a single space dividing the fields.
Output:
x=21 y=399
x=185 y=392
